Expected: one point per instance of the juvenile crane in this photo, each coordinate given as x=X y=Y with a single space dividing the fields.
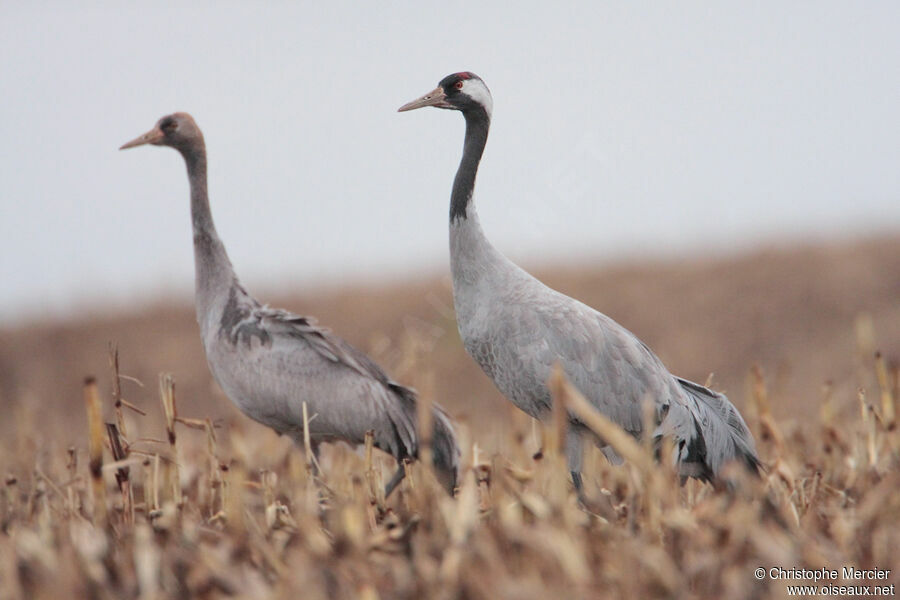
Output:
x=516 y=328
x=269 y=361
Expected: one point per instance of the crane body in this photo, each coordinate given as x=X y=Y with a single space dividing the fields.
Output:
x=270 y=362
x=516 y=329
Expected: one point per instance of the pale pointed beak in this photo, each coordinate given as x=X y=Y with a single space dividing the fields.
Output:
x=435 y=97
x=151 y=137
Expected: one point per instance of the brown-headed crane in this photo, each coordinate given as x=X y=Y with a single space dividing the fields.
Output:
x=270 y=361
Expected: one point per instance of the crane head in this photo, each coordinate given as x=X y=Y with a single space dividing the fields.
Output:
x=463 y=91
x=177 y=130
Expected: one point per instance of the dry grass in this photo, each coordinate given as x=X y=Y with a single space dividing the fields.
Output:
x=248 y=519
x=169 y=505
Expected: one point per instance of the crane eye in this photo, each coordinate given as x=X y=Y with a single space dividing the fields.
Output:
x=458 y=85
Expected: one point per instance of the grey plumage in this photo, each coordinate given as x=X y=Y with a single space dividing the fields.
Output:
x=517 y=329
x=269 y=361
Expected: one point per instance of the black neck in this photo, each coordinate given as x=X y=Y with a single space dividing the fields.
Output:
x=477 y=124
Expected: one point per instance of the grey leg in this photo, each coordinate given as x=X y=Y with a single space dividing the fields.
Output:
x=579 y=484
x=395 y=480
x=315 y=450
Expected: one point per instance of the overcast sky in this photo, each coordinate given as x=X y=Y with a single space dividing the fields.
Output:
x=619 y=129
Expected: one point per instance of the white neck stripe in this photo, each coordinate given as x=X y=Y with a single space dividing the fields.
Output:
x=475 y=89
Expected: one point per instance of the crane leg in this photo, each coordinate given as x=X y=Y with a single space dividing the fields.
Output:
x=603 y=507
x=579 y=484
x=314 y=446
x=395 y=480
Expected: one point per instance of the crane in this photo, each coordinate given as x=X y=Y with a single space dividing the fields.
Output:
x=270 y=361
x=516 y=329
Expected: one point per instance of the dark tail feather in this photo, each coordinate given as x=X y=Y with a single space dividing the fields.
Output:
x=722 y=437
x=445 y=451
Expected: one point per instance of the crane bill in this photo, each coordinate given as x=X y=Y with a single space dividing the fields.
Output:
x=151 y=137
x=435 y=97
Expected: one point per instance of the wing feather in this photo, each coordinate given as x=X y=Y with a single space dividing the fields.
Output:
x=606 y=362
x=281 y=359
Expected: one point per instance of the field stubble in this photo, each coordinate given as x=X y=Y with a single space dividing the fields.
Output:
x=191 y=501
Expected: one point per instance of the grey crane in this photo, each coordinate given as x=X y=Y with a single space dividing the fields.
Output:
x=516 y=328
x=269 y=361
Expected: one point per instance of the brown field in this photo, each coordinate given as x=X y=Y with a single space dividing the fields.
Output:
x=252 y=522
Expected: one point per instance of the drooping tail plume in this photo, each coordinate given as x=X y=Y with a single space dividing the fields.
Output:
x=720 y=435
x=445 y=451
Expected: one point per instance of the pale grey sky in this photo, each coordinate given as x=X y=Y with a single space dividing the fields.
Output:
x=619 y=129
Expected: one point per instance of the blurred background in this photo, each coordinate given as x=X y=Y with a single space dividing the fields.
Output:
x=722 y=180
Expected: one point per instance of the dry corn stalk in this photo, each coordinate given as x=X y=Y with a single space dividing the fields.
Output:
x=369 y=474
x=868 y=419
x=167 y=396
x=95 y=452
x=122 y=473
x=559 y=418
x=312 y=463
x=888 y=413
x=768 y=427
x=117 y=389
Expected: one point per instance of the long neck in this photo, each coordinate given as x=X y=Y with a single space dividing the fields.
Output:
x=477 y=125
x=213 y=271
x=475 y=265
